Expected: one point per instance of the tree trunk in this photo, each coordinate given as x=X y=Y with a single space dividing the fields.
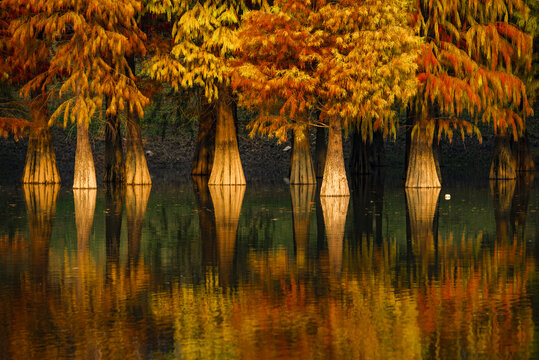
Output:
x=320 y=151
x=301 y=164
x=503 y=165
x=335 y=210
x=41 y=208
x=523 y=154
x=227 y=201
x=302 y=198
x=114 y=157
x=136 y=168
x=421 y=171
x=409 y=126
x=40 y=167
x=205 y=146
x=422 y=204
x=136 y=201
x=359 y=158
x=84 y=177
x=334 y=182
x=366 y=155
x=206 y=220
x=227 y=169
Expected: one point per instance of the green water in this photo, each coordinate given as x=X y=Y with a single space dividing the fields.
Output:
x=270 y=271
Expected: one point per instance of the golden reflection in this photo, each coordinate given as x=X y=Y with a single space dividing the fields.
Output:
x=502 y=196
x=41 y=207
x=227 y=201
x=422 y=205
x=113 y=224
x=136 y=201
x=471 y=301
x=302 y=199
x=206 y=220
x=335 y=209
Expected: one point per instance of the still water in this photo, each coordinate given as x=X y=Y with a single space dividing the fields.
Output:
x=270 y=272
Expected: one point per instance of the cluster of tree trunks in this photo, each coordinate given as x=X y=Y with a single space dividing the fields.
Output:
x=40 y=167
x=217 y=153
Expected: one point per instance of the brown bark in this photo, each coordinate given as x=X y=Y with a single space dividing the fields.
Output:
x=40 y=167
x=335 y=210
x=302 y=198
x=503 y=165
x=136 y=201
x=227 y=201
x=206 y=219
x=421 y=171
x=366 y=155
x=205 y=146
x=422 y=204
x=334 y=182
x=114 y=157
x=227 y=169
x=524 y=158
x=84 y=177
x=320 y=151
x=301 y=163
x=136 y=167
x=41 y=207
x=502 y=195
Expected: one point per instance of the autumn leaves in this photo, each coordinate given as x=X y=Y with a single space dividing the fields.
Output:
x=345 y=65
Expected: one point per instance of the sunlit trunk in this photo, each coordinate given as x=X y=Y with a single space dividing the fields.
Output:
x=114 y=171
x=301 y=164
x=335 y=209
x=334 y=182
x=524 y=158
x=227 y=169
x=320 y=151
x=40 y=167
x=205 y=146
x=502 y=195
x=136 y=201
x=136 y=167
x=503 y=165
x=84 y=177
x=302 y=198
x=113 y=225
x=421 y=171
x=227 y=201
x=41 y=207
x=422 y=205
x=206 y=220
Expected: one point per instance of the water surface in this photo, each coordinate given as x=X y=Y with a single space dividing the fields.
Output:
x=189 y=271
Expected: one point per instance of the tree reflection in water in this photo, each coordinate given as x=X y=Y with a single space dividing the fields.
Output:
x=335 y=209
x=465 y=295
x=227 y=201
x=302 y=199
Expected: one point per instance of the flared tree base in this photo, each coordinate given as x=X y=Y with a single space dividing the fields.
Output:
x=40 y=165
